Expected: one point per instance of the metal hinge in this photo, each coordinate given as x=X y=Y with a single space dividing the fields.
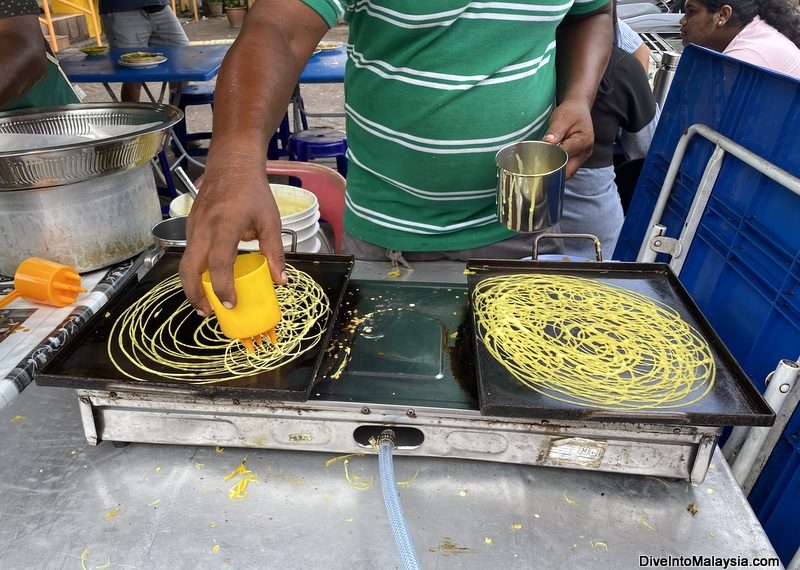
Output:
x=660 y=243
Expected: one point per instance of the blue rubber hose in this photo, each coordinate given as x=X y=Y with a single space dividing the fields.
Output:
x=386 y=469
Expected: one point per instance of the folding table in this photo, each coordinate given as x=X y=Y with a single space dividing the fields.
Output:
x=326 y=66
x=184 y=64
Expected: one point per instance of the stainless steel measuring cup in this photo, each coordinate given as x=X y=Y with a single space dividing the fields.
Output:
x=530 y=185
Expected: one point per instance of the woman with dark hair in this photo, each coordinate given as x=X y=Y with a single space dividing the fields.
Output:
x=762 y=32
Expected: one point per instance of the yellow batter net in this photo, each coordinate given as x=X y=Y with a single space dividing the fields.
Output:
x=591 y=344
x=161 y=337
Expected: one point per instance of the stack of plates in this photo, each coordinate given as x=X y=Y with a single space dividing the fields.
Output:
x=299 y=212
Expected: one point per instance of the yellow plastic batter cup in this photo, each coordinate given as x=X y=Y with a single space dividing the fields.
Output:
x=256 y=312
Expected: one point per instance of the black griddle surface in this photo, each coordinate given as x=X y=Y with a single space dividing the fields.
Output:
x=84 y=363
x=410 y=345
x=733 y=400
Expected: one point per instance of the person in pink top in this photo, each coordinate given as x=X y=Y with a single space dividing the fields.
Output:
x=761 y=32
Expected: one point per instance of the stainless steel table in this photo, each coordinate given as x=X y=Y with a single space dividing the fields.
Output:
x=161 y=506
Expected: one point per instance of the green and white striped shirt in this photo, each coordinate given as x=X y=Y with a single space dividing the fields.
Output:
x=433 y=89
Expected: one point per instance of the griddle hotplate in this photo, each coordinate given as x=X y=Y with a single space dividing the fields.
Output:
x=403 y=355
x=84 y=362
x=733 y=400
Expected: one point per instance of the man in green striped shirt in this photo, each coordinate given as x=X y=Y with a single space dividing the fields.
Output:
x=432 y=90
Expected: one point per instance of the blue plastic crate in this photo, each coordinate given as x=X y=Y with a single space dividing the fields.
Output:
x=743 y=268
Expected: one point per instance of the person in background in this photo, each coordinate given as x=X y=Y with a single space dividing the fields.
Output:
x=629 y=41
x=29 y=73
x=432 y=91
x=624 y=111
x=762 y=32
x=139 y=24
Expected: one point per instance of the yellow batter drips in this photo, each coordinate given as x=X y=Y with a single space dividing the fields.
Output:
x=591 y=344
x=158 y=336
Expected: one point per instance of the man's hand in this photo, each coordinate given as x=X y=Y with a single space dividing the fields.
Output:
x=583 y=45
x=216 y=225
x=254 y=86
x=571 y=126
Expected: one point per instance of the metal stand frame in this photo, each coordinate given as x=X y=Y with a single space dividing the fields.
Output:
x=184 y=418
x=656 y=242
x=748 y=449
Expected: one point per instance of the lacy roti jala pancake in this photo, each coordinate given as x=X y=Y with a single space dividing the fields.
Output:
x=327 y=46
x=142 y=57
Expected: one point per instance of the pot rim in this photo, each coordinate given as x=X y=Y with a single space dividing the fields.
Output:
x=531 y=142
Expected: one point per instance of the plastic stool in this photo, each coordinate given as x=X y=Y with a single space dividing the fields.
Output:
x=279 y=143
x=193 y=95
x=323 y=142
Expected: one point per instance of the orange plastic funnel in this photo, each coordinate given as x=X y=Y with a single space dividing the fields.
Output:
x=45 y=282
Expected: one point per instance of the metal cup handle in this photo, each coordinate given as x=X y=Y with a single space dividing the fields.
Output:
x=598 y=249
x=294 y=238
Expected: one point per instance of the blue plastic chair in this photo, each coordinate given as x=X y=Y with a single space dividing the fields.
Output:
x=319 y=142
x=193 y=95
x=279 y=143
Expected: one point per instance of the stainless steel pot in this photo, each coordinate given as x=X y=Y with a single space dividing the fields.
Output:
x=87 y=225
x=127 y=135
x=530 y=185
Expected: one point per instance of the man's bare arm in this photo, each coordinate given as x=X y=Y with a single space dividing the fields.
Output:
x=23 y=62
x=582 y=50
x=254 y=86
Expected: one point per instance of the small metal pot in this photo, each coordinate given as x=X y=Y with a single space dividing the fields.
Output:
x=530 y=185
x=172 y=233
